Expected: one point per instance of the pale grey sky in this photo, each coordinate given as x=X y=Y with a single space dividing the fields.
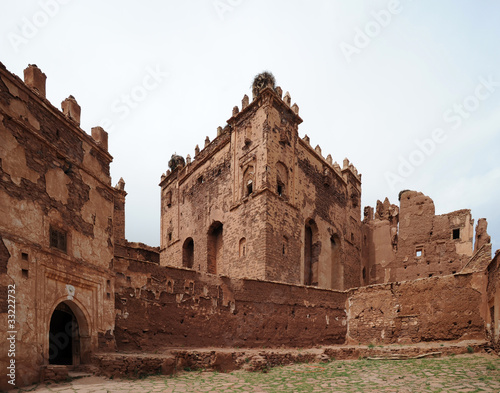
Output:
x=409 y=91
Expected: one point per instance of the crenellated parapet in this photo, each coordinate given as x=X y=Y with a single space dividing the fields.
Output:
x=36 y=80
x=334 y=167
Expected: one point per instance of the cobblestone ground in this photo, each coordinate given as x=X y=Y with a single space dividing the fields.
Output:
x=468 y=373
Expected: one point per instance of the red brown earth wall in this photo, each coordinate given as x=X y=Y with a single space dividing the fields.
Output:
x=160 y=307
x=429 y=309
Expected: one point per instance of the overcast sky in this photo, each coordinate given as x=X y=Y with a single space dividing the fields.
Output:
x=409 y=91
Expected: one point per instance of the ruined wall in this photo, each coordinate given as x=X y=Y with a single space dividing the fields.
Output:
x=412 y=242
x=493 y=301
x=430 y=309
x=56 y=210
x=159 y=307
x=264 y=186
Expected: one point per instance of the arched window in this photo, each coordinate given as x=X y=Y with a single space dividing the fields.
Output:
x=243 y=247
x=248 y=181
x=311 y=253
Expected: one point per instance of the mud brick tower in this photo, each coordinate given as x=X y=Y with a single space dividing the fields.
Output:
x=259 y=202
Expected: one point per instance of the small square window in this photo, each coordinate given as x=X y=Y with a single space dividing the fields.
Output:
x=419 y=252
x=24 y=256
x=456 y=234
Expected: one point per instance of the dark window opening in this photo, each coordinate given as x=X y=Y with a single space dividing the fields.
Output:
x=283 y=251
x=169 y=236
x=456 y=234
x=58 y=239
x=201 y=180
x=24 y=273
x=364 y=273
x=280 y=190
x=24 y=256
x=249 y=188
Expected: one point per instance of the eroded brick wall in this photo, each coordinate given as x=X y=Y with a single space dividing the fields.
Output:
x=430 y=309
x=160 y=307
x=411 y=242
x=56 y=220
x=493 y=299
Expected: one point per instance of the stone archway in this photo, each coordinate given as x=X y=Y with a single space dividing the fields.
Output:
x=69 y=339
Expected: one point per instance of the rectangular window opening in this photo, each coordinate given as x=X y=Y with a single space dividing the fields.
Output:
x=419 y=252
x=24 y=256
x=24 y=273
x=280 y=190
x=58 y=239
x=456 y=233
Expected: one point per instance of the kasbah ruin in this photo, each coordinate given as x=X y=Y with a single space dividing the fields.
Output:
x=264 y=244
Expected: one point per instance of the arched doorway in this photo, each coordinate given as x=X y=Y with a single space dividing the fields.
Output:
x=69 y=341
x=214 y=247
x=188 y=253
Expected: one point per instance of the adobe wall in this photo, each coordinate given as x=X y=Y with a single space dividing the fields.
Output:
x=162 y=307
x=56 y=210
x=411 y=242
x=429 y=309
x=493 y=301
x=159 y=307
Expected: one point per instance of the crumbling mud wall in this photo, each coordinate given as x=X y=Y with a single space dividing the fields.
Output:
x=410 y=242
x=493 y=299
x=429 y=309
x=159 y=307
x=56 y=220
